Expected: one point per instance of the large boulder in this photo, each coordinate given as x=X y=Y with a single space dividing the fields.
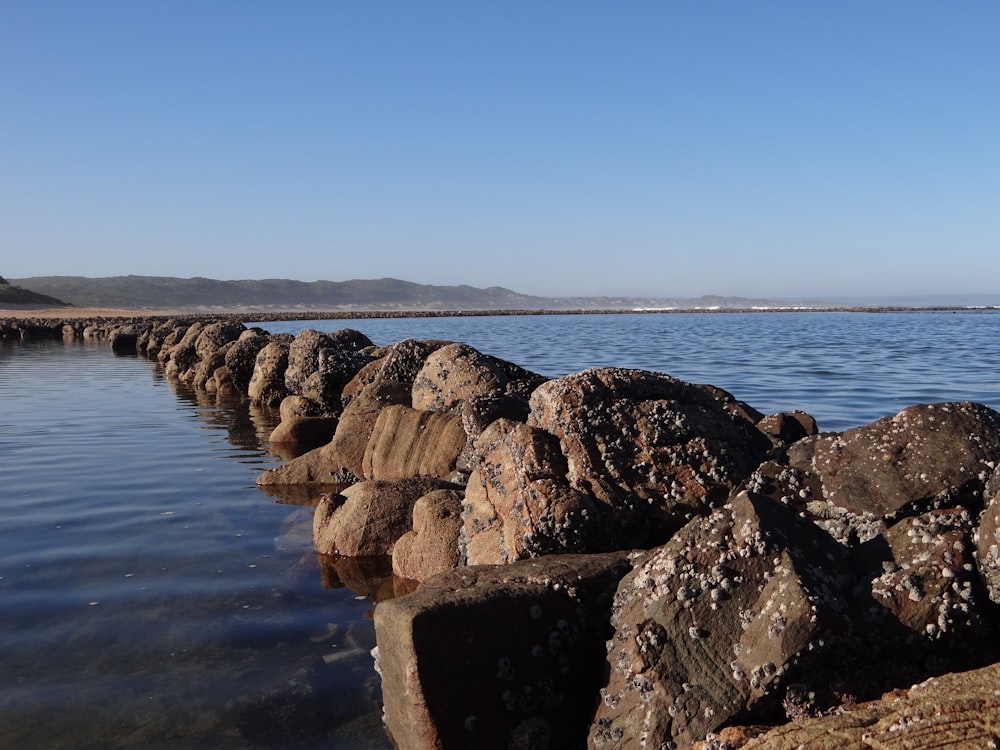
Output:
x=241 y=357
x=216 y=335
x=959 y=710
x=518 y=503
x=988 y=539
x=408 y=442
x=457 y=372
x=719 y=622
x=397 y=363
x=368 y=518
x=858 y=482
x=267 y=385
x=653 y=450
x=321 y=364
x=498 y=656
x=433 y=544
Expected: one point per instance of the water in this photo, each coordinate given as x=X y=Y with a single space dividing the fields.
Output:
x=151 y=596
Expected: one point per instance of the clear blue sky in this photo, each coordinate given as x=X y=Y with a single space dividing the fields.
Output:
x=666 y=148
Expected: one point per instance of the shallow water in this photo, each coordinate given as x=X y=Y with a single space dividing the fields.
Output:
x=151 y=596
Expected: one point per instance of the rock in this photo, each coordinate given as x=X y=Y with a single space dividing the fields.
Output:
x=204 y=371
x=267 y=385
x=651 y=449
x=409 y=442
x=457 y=372
x=521 y=658
x=346 y=451
x=304 y=431
x=960 y=710
x=320 y=364
x=299 y=406
x=432 y=545
x=368 y=517
x=788 y=427
x=716 y=624
x=858 y=482
x=988 y=539
x=124 y=340
x=397 y=363
x=518 y=503
x=215 y=336
x=241 y=358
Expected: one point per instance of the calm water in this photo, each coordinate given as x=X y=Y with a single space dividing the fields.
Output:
x=151 y=596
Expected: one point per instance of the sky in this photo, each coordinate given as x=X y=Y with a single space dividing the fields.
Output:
x=672 y=148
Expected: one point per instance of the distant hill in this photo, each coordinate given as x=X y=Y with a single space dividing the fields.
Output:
x=12 y=295
x=168 y=293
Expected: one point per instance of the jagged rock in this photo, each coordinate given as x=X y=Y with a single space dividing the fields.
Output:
x=409 y=442
x=518 y=503
x=368 y=517
x=960 y=710
x=787 y=427
x=124 y=340
x=988 y=538
x=520 y=658
x=856 y=482
x=321 y=364
x=241 y=358
x=717 y=622
x=267 y=385
x=651 y=449
x=397 y=363
x=214 y=336
x=457 y=372
x=432 y=545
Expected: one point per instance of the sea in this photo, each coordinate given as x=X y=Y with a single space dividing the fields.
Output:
x=151 y=596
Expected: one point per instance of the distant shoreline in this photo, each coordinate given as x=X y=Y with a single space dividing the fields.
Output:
x=79 y=313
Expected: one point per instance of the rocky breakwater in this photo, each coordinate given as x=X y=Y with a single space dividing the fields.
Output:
x=616 y=558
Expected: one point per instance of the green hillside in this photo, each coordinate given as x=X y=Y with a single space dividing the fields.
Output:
x=12 y=295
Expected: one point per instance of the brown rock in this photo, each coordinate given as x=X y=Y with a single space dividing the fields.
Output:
x=397 y=363
x=304 y=431
x=241 y=358
x=409 y=442
x=988 y=539
x=716 y=622
x=368 y=517
x=432 y=546
x=654 y=450
x=267 y=385
x=787 y=427
x=457 y=372
x=518 y=503
x=493 y=656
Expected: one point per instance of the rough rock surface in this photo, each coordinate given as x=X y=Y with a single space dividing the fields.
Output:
x=397 y=363
x=458 y=372
x=718 y=622
x=432 y=546
x=520 y=665
x=518 y=503
x=304 y=431
x=858 y=482
x=652 y=449
x=267 y=385
x=369 y=517
x=959 y=710
x=988 y=539
x=409 y=442
x=241 y=358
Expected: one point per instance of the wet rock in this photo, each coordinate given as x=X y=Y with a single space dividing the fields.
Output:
x=304 y=431
x=409 y=442
x=457 y=372
x=369 y=517
x=518 y=503
x=521 y=659
x=652 y=449
x=124 y=340
x=267 y=385
x=717 y=622
x=432 y=545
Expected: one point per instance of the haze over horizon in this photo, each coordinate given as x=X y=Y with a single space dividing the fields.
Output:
x=768 y=150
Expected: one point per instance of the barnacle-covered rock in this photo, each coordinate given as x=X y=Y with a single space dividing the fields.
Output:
x=718 y=622
x=397 y=363
x=408 y=442
x=267 y=384
x=651 y=449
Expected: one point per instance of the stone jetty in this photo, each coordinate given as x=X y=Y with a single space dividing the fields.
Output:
x=620 y=559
